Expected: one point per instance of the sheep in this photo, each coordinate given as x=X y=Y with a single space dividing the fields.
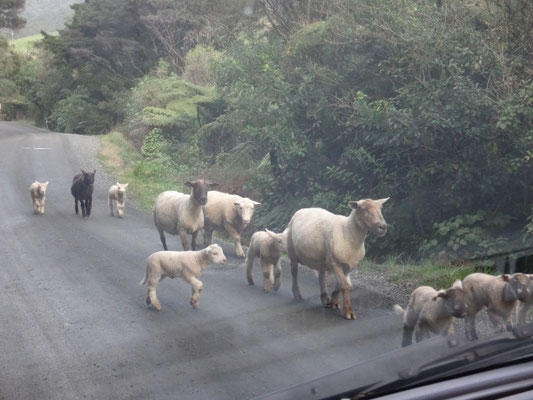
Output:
x=526 y=304
x=38 y=196
x=327 y=242
x=178 y=213
x=82 y=190
x=433 y=311
x=228 y=213
x=117 y=195
x=499 y=294
x=268 y=246
x=188 y=265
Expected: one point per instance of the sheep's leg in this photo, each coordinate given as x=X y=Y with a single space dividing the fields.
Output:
x=193 y=239
x=268 y=279
x=208 y=235
x=407 y=338
x=89 y=205
x=83 y=212
x=249 y=265
x=422 y=332
x=498 y=322
x=470 y=327
x=521 y=313
x=326 y=301
x=42 y=204
x=151 y=298
x=111 y=206
x=277 y=276
x=334 y=302
x=197 y=288
x=294 y=273
x=183 y=237
x=409 y=324
x=163 y=240
x=236 y=238
x=35 y=206
x=76 y=205
x=345 y=285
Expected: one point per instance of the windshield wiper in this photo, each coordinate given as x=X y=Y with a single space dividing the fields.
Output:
x=413 y=365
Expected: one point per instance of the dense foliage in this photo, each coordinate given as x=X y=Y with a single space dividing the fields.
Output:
x=311 y=103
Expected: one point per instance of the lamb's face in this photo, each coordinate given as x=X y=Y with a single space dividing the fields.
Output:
x=42 y=188
x=520 y=283
x=245 y=209
x=454 y=302
x=369 y=212
x=121 y=189
x=216 y=254
x=88 y=177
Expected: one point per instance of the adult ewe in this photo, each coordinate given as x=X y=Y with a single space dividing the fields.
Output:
x=188 y=265
x=179 y=214
x=82 y=190
x=117 y=196
x=38 y=196
x=328 y=242
x=433 y=311
x=230 y=214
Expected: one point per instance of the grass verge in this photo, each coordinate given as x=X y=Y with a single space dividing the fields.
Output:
x=146 y=179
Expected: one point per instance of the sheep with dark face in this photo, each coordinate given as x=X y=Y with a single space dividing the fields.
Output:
x=38 y=196
x=179 y=214
x=433 y=311
x=268 y=246
x=117 y=198
x=82 y=190
x=498 y=294
x=327 y=242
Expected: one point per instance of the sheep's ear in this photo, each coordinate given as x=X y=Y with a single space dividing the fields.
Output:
x=381 y=201
x=506 y=277
x=354 y=205
x=256 y=203
x=237 y=204
x=125 y=185
x=212 y=184
x=271 y=234
x=457 y=284
x=83 y=172
x=45 y=184
x=440 y=293
x=189 y=184
x=94 y=172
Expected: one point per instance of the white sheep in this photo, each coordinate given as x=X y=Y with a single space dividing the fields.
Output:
x=499 y=294
x=188 y=265
x=327 y=242
x=268 y=246
x=228 y=213
x=433 y=311
x=117 y=195
x=178 y=213
x=38 y=196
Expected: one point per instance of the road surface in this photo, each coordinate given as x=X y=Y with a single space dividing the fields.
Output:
x=74 y=323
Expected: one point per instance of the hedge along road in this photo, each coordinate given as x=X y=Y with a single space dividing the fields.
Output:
x=74 y=322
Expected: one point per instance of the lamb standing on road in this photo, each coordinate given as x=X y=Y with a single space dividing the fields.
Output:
x=328 y=242
x=188 y=265
x=228 y=213
x=499 y=294
x=179 y=214
x=82 y=190
x=38 y=196
x=117 y=195
x=268 y=246
x=433 y=311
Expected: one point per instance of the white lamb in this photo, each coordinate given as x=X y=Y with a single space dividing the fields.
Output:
x=268 y=246
x=117 y=195
x=38 y=196
x=228 y=213
x=188 y=265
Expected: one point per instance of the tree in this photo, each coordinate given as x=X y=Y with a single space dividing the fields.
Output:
x=9 y=14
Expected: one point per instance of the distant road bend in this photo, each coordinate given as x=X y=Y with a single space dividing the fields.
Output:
x=74 y=324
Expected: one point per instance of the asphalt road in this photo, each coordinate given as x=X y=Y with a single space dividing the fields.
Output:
x=73 y=318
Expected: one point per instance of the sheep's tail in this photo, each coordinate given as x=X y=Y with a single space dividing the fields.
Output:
x=145 y=278
x=398 y=309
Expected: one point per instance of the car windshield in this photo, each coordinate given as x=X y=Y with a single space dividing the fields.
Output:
x=299 y=186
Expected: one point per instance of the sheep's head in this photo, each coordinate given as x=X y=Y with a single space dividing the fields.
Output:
x=517 y=288
x=200 y=187
x=121 y=189
x=42 y=187
x=368 y=213
x=280 y=239
x=216 y=255
x=454 y=300
x=245 y=209
x=88 y=177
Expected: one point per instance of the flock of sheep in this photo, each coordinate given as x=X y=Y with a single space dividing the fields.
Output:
x=317 y=238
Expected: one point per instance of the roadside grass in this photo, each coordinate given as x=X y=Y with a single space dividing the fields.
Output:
x=423 y=273
x=145 y=180
x=26 y=43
